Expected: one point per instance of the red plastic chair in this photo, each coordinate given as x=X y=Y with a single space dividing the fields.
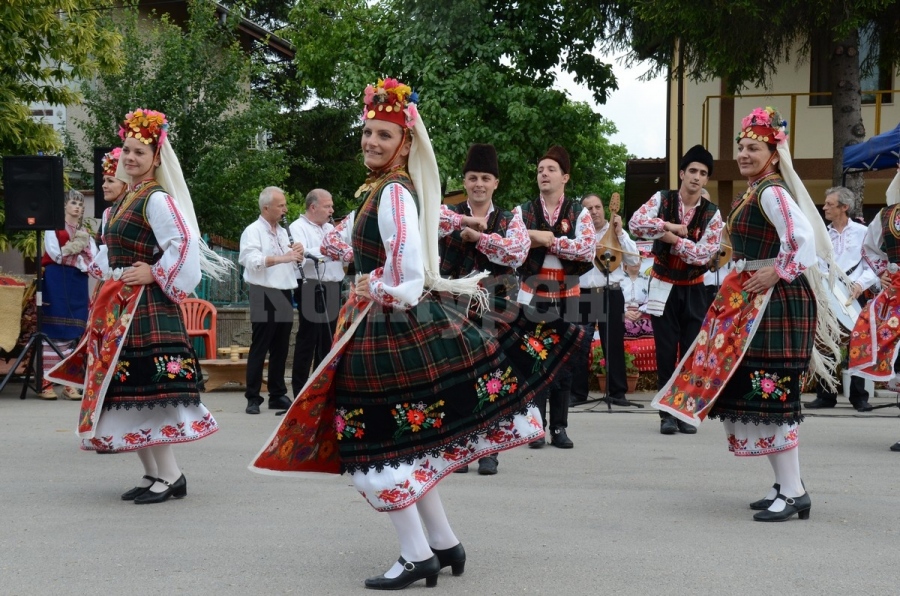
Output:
x=195 y=312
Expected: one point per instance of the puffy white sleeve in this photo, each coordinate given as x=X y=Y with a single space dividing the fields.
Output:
x=401 y=281
x=798 y=247
x=177 y=271
x=875 y=258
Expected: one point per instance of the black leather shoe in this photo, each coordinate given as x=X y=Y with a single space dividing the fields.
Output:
x=799 y=505
x=282 y=402
x=461 y=470
x=574 y=400
x=176 y=490
x=454 y=558
x=253 y=404
x=764 y=504
x=412 y=572
x=685 y=428
x=538 y=443
x=668 y=426
x=620 y=401
x=818 y=404
x=138 y=490
x=895 y=446
x=559 y=438
x=863 y=406
x=487 y=466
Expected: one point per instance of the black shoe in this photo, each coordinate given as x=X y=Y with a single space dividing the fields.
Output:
x=538 y=443
x=559 y=438
x=685 y=428
x=895 y=446
x=461 y=470
x=819 y=403
x=764 y=504
x=138 y=490
x=282 y=402
x=253 y=404
x=668 y=426
x=863 y=406
x=800 y=505
x=619 y=401
x=454 y=557
x=574 y=400
x=176 y=490
x=487 y=466
x=412 y=572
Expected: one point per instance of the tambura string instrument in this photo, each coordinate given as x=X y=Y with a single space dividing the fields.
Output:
x=845 y=308
x=609 y=250
x=724 y=256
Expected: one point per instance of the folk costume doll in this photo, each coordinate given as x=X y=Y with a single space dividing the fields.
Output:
x=67 y=253
x=761 y=336
x=446 y=392
x=135 y=361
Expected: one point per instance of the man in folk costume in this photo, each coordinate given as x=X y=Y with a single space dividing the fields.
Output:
x=875 y=339
x=686 y=229
x=562 y=249
x=607 y=288
x=847 y=240
x=477 y=236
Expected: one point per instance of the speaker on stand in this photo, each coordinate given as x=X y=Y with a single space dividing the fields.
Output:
x=34 y=200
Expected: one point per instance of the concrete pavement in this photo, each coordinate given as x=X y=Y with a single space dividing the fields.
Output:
x=627 y=511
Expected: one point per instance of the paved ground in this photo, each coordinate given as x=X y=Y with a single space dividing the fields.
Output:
x=628 y=511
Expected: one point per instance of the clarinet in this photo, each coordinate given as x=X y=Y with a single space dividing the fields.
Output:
x=287 y=229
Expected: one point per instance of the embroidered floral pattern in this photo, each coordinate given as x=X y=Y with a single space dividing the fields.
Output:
x=346 y=427
x=490 y=386
x=173 y=367
x=536 y=344
x=121 y=375
x=768 y=386
x=397 y=494
x=416 y=417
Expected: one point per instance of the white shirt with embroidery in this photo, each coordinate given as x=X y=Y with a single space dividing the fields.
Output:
x=80 y=260
x=646 y=224
x=595 y=278
x=510 y=249
x=848 y=253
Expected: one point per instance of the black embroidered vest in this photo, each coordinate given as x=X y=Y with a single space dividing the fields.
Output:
x=533 y=216
x=666 y=265
x=459 y=259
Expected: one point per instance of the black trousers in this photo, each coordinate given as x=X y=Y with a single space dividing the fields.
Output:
x=318 y=306
x=557 y=394
x=605 y=309
x=271 y=327
x=677 y=328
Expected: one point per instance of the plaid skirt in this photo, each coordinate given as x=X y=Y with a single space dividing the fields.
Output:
x=423 y=380
x=786 y=334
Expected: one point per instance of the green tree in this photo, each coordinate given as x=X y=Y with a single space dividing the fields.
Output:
x=199 y=77
x=45 y=47
x=743 y=42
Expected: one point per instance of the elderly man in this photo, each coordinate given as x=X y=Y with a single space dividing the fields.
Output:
x=270 y=266
x=319 y=299
x=847 y=238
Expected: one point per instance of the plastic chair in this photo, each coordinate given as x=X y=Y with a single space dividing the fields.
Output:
x=195 y=311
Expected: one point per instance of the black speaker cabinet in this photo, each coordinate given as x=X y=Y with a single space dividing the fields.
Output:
x=99 y=204
x=33 y=192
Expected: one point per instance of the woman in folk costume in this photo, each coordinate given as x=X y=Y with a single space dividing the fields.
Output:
x=141 y=374
x=67 y=253
x=114 y=188
x=761 y=336
x=875 y=339
x=418 y=389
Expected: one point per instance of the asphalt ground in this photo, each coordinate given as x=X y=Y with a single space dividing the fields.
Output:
x=627 y=511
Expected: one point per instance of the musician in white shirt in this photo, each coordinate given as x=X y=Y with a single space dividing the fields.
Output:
x=319 y=299
x=603 y=304
x=270 y=265
x=847 y=238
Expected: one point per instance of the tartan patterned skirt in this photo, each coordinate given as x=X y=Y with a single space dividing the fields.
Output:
x=419 y=382
x=786 y=334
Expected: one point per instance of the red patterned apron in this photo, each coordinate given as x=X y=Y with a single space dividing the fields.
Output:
x=875 y=338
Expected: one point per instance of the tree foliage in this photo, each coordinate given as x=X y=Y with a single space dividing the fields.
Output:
x=199 y=77
x=484 y=71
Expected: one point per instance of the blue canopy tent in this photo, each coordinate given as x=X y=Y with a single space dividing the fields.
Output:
x=878 y=153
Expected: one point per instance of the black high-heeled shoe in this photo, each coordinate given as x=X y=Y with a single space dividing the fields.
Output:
x=138 y=490
x=176 y=490
x=412 y=572
x=453 y=557
x=800 y=505
x=764 y=504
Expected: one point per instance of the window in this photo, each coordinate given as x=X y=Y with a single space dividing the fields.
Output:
x=872 y=78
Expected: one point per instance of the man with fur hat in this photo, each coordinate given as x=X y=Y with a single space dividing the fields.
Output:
x=478 y=236
x=686 y=229
x=562 y=249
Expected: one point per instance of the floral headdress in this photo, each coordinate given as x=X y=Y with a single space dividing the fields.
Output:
x=110 y=162
x=391 y=100
x=764 y=125
x=147 y=126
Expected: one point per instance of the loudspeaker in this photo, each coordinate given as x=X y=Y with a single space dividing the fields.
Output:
x=33 y=192
x=99 y=204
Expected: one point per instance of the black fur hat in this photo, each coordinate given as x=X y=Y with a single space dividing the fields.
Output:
x=558 y=154
x=482 y=158
x=699 y=154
